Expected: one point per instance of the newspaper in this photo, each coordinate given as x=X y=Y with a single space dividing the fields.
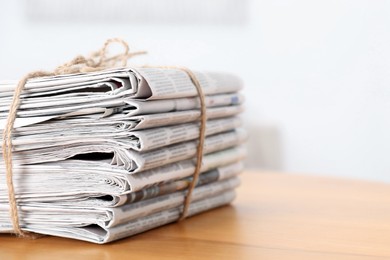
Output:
x=109 y=92
x=104 y=155
x=132 y=107
x=45 y=182
x=109 y=201
x=142 y=140
x=97 y=234
x=132 y=161
x=145 y=83
x=57 y=215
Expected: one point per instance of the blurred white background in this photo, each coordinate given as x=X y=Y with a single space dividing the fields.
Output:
x=317 y=73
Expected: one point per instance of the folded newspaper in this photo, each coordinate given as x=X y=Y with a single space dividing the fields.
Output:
x=105 y=155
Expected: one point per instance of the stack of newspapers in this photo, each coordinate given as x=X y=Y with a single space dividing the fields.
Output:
x=105 y=155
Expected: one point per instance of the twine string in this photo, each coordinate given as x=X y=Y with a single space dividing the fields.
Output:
x=201 y=139
x=7 y=152
x=199 y=151
x=80 y=64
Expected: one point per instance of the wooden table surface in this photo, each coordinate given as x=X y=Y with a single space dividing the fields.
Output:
x=276 y=216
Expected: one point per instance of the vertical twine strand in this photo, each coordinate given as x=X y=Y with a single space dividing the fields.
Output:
x=199 y=152
x=7 y=151
x=201 y=139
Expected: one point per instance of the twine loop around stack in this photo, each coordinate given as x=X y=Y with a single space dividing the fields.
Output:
x=97 y=61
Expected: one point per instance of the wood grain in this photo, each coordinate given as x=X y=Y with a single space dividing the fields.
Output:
x=276 y=216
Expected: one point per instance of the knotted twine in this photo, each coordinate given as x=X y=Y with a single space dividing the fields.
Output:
x=80 y=64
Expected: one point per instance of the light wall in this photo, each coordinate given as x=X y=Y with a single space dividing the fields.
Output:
x=317 y=73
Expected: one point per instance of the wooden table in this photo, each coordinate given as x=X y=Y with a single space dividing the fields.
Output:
x=276 y=216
